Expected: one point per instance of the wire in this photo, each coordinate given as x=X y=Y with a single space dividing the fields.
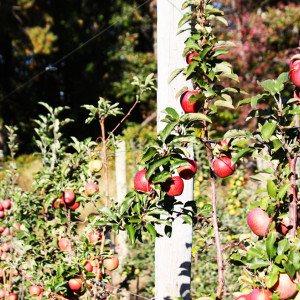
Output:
x=51 y=67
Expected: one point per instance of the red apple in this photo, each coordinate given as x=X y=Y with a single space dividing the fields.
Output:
x=74 y=205
x=17 y=227
x=189 y=57
x=64 y=244
x=188 y=171
x=6 y=232
x=258 y=294
x=141 y=183
x=283 y=226
x=285 y=286
x=243 y=297
x=5 y=247
x=58 y=203
x=91 y=188
x=69 y=196
x=186 y=105
x=2 y=293
x=35 y=290
x=6 y=203
x=111 y=263
x=295 y=72
x=2 y=228
x=95 y=165
x=95 y=236
x=12 y=296
x=75 y=284
x=223 y=166
x=2 y=214
x=259 y=221
x=88 y=266
x=174 y=186
x=1 y=206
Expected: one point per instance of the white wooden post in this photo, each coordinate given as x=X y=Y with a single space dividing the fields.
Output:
x=172 y=255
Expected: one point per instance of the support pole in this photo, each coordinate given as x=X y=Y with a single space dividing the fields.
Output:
x=172 y=255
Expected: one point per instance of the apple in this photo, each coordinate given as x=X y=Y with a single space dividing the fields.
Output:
x=91 y=188
x=188 y=171
x=223 y=166
x=58 y=203
x=15 y=272
x=243 y=297
x=283 y=226
x=95 y=236
x=295 y=72
x=95 y=166
x=285 y=286
x=2 y=214
x=259 y=221
x=189 y=57
x=174 y=186
x=2 y=293
x=35 y=290
x=186 y=105
x=1 y=206
x=258 y=294
x=88 y=266
x=6 y=203
x=141 y=183
x=2 y=228
x=12 y=296
x=6 y=232
x=5 y=247
x=64 y=244
x=74 y=205
x=69 y=196
x=111 y=263
x=75 y=284
x=17 y=227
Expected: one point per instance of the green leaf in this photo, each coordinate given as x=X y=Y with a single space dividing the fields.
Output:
x=264 y=202
x=131 y=232
x=283 y=190
x=191 y=68
x=271 y=188
x=150 y=152
x=107 y=212
x=161 y=177
x=267 y=130
x=174 y=74
x=283 y=246
x=151 y=230
x=280 y=258
x=221 y=19
x=135 y=220
x=271 y=279
x=193 y=117
x=125 y=205
x=165 y=133
x=269 y=85
x=186 y=18
x=224 y=104
x=252 y=252
x=270 y=242
x=154 y=166
x=240 y=154
x=187 y=219
x=205 y=50
x=220 y=52
x=289 y=267
x=172 y=112
x=191 y=43
x=256 y=263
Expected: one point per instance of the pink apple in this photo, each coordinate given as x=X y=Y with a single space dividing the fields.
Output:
x=91 y=188
x=188 y=171
x=6 y=203
x=258 y=294
x=295 y=72
x=141 y=183
x=74 y=205
x=223 y=166
x=259 y=221
x=189 y=57
x=186 y=105
x=286 y=286
x=69 y=196
x=243 y=297
x=35 y=290
x=174 y=186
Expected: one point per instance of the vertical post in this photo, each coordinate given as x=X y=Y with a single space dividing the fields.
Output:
x=120 y=167
x=172 y=255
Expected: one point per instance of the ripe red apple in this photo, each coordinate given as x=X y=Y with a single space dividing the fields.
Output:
x=58 y=203
x=189 y=57
x=74 y=205
x=259 y=221
x=258 y=294
x=2 y=214
x=186 y=105
x=223 y=166
x=95 y=165
x=174 y=186
x=295 y=72
x=35 y=290
x=6 y=203
x=64 y=244
x=75 y=284
x=243 y=297
x=6 y=232
x=141 y=183
x=17 y=227
x=283 y=226
x=88 y=266
x=91 y=188
x=1 y=206
x=111 y=263
x=2 y=293
x=2 y=228
x=95 y=236
x=188 y=171
x=69 y=196
x=12 y=296
x=286 y=286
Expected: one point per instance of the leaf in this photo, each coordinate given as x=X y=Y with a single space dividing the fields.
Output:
x=221 y=19
x=225 y=43
x=151 y=230
x=192 y=117
x=107 y=212
x=271 y=188
x=270 y=242
x=283 y=190
x=252 y=252
x=186 y=18
x=165 y=133
x=256 y=263
x=271 y=279
x=131 y=232
x=240 y=154
x=161 y=177
x=289 y=267
x=269 y=85
x=172 y=112
x=174 y=74
x=156 y=165
x=236 y=133
x=267 y=130
x=205 y=50
x=224 y=104
x=283 y=246
x=124 y=206
x=187 y=219
x=220 y=52
x=191 y=68
x=191 y=43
